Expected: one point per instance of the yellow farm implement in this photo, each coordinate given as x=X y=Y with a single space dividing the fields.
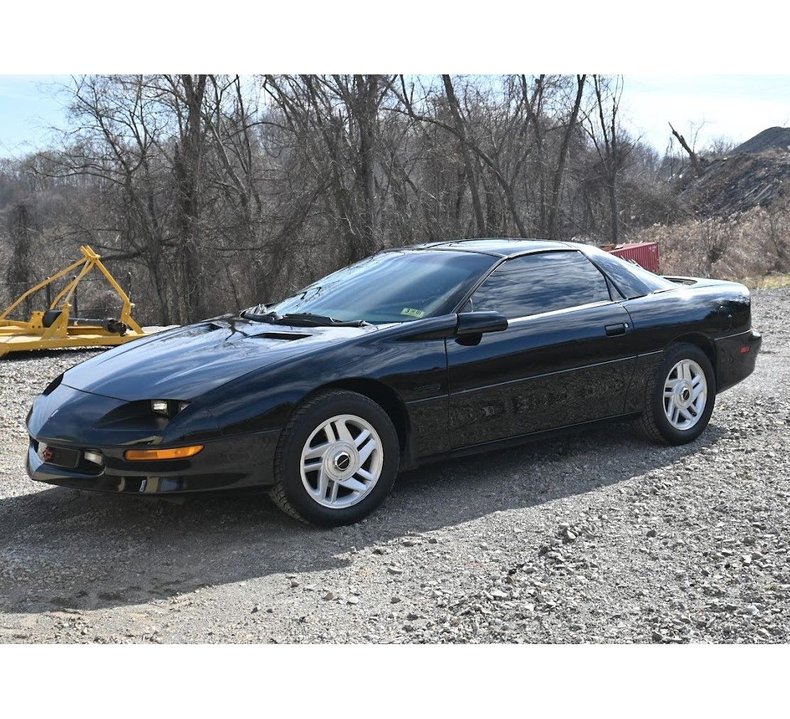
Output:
x=54 y=328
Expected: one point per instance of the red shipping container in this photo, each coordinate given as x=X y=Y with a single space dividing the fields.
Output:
x=643 y=253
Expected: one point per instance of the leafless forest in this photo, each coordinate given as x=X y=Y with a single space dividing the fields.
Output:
x=207 y=193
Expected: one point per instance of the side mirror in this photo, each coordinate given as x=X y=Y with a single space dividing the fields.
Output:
x=471 y=324
x=466 y=327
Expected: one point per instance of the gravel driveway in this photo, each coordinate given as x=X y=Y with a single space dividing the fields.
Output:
x=600 y=537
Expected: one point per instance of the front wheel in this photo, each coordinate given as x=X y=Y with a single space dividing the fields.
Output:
x=680 y=397
x=336 y=460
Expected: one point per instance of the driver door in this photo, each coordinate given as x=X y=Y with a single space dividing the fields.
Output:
x=566 y=357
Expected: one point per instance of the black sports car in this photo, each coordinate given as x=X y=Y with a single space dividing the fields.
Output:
x=410 y=355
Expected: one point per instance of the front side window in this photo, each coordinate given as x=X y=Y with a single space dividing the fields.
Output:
x=541 y=282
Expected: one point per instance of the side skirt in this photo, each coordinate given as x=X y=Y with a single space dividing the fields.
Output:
x=522 y=439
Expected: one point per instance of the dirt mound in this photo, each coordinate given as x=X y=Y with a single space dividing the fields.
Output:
x=774 y=138
x=739 y=183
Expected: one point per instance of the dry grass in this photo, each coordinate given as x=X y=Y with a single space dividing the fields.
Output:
x=753 y=245
x=767 y=282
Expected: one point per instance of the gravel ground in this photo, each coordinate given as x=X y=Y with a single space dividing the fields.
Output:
x=599 y=537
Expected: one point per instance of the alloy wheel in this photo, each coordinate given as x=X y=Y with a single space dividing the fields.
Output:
x=685 y=394
x=341 y=461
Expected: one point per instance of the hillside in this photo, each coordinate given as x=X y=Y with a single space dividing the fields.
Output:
x=738 y=183
x=754 y=174
x=774 y=138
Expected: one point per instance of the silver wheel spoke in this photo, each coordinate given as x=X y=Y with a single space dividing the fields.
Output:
x=355 y=485
x=323 y=481
x=329 y=431
x=366 y=451
x=313 y=465
x=343 y=433
x=367 y=476
x=361 y=437
x=316 y=453
x=669 y=387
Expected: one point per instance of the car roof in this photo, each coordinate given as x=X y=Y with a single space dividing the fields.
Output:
x=497 y=246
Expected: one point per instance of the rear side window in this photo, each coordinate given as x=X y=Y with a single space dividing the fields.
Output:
x=541 y=282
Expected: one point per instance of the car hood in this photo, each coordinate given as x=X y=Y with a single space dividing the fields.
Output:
x=186 y=362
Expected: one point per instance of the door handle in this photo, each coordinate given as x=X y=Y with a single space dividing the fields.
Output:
x=618 y=329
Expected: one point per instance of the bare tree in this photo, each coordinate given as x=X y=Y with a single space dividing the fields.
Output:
x=603 y=129
x=19 y=275
x=694 y=158
x=506 y=184
x=336 y=120
x=186 y=96
x=559 y=168
x=469 y=165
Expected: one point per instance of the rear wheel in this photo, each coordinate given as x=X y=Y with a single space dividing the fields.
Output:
x=680 y=397
x=337 y=459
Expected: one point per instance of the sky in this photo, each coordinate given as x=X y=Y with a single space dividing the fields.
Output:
x=735 y=107
x=30 y=105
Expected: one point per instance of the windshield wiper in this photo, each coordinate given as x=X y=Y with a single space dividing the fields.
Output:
x=311 y=320
x=258 y=313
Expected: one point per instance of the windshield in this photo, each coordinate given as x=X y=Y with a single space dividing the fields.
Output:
x=395 y=286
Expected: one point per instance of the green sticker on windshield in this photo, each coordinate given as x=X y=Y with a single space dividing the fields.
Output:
x=412 y=313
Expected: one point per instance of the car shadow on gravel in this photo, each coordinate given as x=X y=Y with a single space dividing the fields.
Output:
x=63 y=549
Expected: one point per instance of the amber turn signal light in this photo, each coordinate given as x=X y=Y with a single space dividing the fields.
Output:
x=142 y=455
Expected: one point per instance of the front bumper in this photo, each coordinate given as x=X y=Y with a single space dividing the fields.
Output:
x=72 y=422
x=224 y=464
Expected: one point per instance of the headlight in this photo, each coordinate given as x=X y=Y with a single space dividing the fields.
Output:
x=168 y=407
x=94 y=457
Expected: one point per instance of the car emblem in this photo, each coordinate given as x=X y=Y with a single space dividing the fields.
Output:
x=342 y=461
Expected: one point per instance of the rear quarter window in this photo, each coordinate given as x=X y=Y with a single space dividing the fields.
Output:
x=630 y=279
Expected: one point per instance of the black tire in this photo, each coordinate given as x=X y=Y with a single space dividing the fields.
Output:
x=654 y=421
x=289 y=492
